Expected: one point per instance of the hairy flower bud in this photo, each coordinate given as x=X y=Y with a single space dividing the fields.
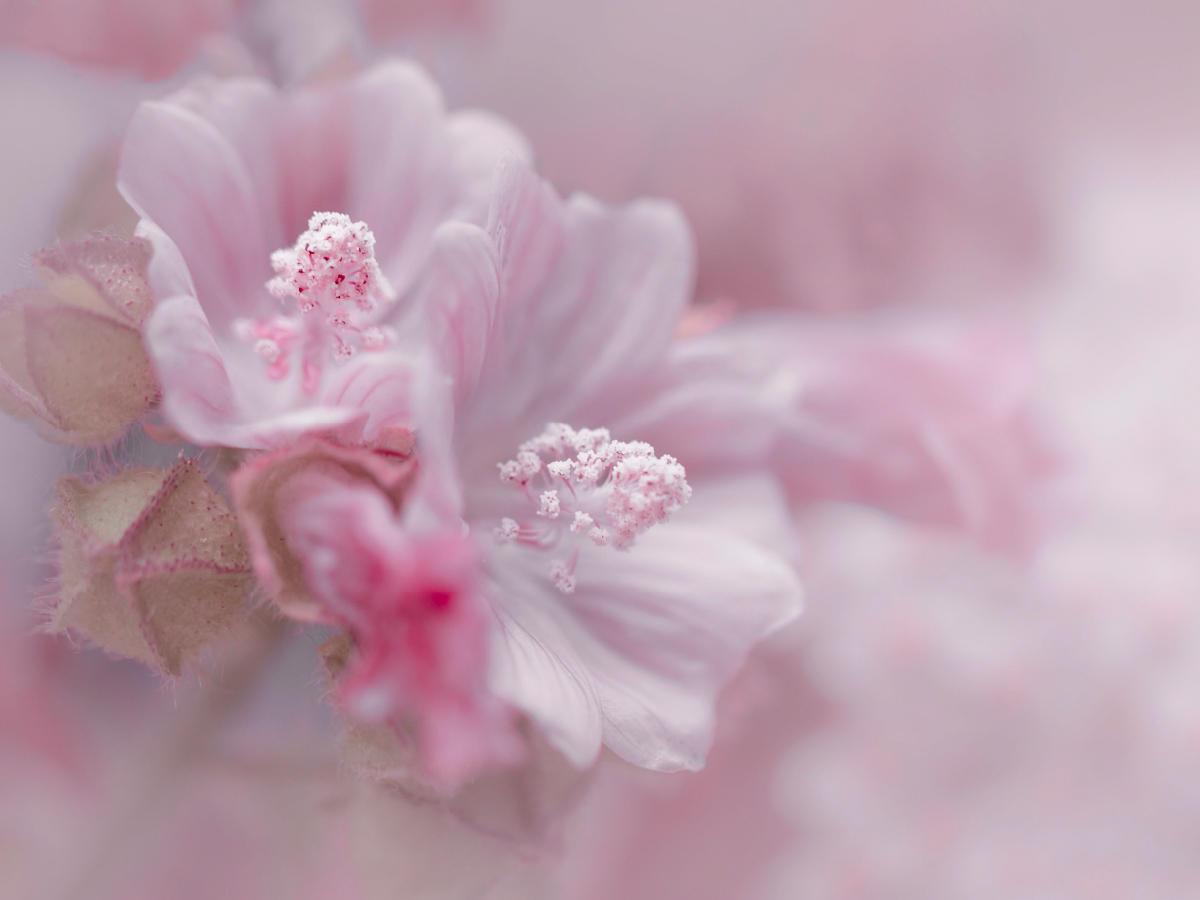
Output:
x=153 y=564
x=71 y=353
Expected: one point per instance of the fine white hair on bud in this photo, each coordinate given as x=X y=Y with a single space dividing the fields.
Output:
x=612 y=491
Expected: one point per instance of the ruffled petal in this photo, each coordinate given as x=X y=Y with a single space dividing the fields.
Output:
x=649 y=636
x=671 y=628
x=167 y=272
x=479 y=140
x=527 y=221
x=933 y=424
x=536 y=665
x=180 y=172
x=718 y=404
x=375 y=388
x=606 y=315
x=249 y=115
x=396 y=168
x=198 y=398
x=583 y=322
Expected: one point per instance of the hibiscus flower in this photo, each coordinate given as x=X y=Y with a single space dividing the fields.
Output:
x=351 y=264
x=225 y=172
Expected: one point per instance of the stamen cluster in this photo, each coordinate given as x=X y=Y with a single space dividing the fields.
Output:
x=334 y=260
x=611 y=490
x=331 y=270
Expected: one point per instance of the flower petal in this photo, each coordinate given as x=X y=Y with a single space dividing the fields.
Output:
x=650 y=635
x=580 y=340
x=479 y=140
x=374 y=388
x=198 y=398
x=932 y=424
x=535 y=666
x=167 y=272
x=247 y=113
x=610 y=307
x=527 y=220
x=717 y=405
x=180 y=172
x=396 y=175
x=670 y=627
x=458 y=296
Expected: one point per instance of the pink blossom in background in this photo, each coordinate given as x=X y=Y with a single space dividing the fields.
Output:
x=147 y=38
x=829 y=155
x=838 y=155
x=154 y=41
x=929 y=419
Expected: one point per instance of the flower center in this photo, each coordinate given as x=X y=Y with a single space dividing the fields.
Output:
x=584 y=483
x=332 y=275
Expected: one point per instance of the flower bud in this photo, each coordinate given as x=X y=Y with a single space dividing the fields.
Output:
x=71 y=353
x=260 y=483
x=153 y=564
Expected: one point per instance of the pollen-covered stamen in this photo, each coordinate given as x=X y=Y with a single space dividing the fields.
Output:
x=549 y=506
x=562 y=573
x=333 y=276
x=272 y=339
x=331 y=264
x=612 y=491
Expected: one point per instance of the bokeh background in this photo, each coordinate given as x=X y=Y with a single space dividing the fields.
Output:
x=949 y=719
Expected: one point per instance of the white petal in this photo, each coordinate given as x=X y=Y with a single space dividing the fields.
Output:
x=535 y=665
x=650 y=635
x=180 y=172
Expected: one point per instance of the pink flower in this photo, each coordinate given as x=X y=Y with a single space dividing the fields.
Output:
x=931 y=421
x=626 y=590
x=145 y=37
x=226 y=173
x=420 y=626
x=616 y=626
